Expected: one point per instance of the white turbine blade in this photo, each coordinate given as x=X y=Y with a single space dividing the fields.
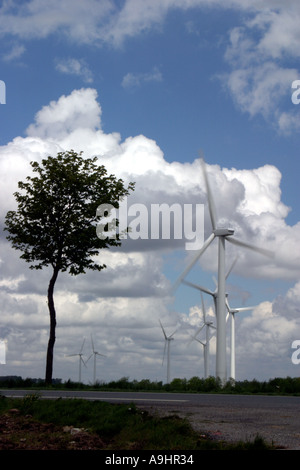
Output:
x=170 y=336
x=211 y=205
x=82 y=345
x=263 y=251
x=231 y=267
x=203 y=307
x=199 y=329
x=83 y=361
x=98 y=354
x=201 y=342
x=201 y=288
x=163 y=330
x=194 y=261
x=89 y=358
x=243 y=309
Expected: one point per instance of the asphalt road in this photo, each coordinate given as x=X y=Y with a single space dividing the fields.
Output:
x=228 y=417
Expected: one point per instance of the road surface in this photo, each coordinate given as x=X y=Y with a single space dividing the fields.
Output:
x=227 y=417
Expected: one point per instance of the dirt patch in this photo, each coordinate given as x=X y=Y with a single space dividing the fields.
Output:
x=24 y=433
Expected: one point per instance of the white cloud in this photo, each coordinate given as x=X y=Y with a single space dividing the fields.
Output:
x=263 y=55
x=16 y=52
x=62 y=117
x=75 y=67
x=131 y=80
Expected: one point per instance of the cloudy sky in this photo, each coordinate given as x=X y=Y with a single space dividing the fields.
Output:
x=145 y=85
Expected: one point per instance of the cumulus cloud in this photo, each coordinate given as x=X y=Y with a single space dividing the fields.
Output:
x=123 y=303
x=262 y=55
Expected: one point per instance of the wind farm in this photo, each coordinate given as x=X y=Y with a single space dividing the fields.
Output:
x=223 y=234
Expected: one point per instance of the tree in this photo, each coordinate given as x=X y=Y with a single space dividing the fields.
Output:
x=55 y=223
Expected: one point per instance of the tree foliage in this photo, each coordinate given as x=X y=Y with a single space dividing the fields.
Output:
x=55 y=223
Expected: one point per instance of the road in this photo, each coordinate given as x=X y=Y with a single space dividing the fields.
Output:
x=228 y=417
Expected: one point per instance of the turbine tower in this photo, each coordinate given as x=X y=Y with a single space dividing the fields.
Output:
x=223 y=234
x=168 y=339
x=232 y=312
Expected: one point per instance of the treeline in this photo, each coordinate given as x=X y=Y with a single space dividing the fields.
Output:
x=285 y=386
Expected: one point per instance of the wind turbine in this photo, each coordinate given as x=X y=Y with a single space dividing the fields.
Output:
x=95 y=354
x=223 y=234
x=168 y=340
x=232 y=312
x=208 y=325
x=80 y=359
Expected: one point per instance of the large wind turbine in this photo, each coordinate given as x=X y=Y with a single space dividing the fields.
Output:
x=168 y=339
x=81 y=361
x=208 y=325
x=95 y=354
x=223 y=234
x=232 y=312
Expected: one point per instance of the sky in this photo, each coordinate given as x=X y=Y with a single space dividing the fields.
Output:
x=149 y=86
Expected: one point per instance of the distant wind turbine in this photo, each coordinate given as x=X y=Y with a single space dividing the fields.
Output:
x=168 y=339
x=81 y=361
x=223 y=234
x=232 y=312
x=95 y=354
x=208 y=325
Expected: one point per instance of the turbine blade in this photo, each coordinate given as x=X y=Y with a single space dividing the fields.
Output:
x=199 y=329
x=82 y=345
x=89 y=358
x=203 y=307
x=163 y=330
x=243 y=309
x=193 y=262
x=263 y=251
x=211 y=205
x=170 y=336
x=231 y=267
x=201 y=288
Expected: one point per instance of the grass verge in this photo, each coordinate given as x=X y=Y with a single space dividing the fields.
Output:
x=33 y=423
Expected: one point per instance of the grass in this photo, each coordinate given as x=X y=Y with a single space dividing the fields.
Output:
x=120 y=427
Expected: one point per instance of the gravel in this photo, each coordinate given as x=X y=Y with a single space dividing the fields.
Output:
x=280 y=427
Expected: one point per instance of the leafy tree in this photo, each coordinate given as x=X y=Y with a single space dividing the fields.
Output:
x=55 y=223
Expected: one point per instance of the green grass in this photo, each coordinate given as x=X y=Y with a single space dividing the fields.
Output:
x=121 y=427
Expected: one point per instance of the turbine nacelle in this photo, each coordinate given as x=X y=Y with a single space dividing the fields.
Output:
x=223 y=232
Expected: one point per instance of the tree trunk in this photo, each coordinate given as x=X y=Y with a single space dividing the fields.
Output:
x=52 y=313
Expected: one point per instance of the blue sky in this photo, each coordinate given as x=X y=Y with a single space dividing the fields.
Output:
x=147 y=84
